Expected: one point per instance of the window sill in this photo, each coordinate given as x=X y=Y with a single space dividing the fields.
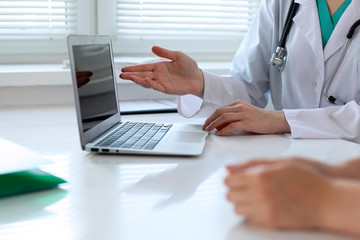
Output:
x=59 y=74
x=51 y=84
x=34 y=75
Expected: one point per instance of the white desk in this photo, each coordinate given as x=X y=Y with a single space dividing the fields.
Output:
x=138 y=197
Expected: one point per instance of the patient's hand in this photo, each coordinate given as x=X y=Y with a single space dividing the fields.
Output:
x=282 y=194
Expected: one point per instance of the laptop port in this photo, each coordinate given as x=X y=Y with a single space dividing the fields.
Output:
x=94 y=150
x=105 y=150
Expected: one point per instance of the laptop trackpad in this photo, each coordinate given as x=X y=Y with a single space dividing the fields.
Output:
x=189 y=137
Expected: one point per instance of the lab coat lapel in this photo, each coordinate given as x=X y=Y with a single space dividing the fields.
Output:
x=338 y=37
x=307 y=20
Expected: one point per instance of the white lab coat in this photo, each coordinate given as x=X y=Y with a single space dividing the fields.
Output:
x=298 y=90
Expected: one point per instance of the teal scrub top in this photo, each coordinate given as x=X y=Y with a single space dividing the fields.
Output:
x=327 y=22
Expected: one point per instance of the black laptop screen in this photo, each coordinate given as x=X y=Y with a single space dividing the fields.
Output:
x=95 y=82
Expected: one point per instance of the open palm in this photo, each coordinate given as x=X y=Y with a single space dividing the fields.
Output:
x=179 y=76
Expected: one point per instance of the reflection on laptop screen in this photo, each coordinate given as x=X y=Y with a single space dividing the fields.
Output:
x=95 y=82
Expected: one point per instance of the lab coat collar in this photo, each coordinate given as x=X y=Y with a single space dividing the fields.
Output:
x=307 y=20
x=338 y=37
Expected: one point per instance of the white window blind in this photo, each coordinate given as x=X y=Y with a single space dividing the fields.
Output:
x=184 y=19
x=37 y=20
x=35 y=31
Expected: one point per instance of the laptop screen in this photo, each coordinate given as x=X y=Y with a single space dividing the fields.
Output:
x=95 y=83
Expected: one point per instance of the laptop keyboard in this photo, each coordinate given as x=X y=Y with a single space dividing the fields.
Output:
x=135 y=135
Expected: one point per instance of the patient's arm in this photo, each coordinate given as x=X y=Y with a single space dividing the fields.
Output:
x=349 y=169
x=297 y=193
x=342 y=211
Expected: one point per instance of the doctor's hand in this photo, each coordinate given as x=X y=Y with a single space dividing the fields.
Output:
x=279 y=195
x=83 y=77
x=179 y=76
x=243 y=116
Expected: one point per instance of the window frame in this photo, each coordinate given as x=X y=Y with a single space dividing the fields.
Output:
x=99 y=17
x=216 y=49
x=48 y=51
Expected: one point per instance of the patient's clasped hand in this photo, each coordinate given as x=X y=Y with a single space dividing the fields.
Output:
x=297 y=193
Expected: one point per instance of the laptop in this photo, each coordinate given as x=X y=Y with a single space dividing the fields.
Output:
x=97 y=106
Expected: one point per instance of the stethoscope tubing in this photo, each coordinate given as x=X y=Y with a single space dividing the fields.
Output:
x=352 y=29
x=349 y=36
x=278 y=59
x=288 y=22
x=332 y=75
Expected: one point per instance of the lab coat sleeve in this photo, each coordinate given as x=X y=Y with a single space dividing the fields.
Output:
x=218 y=91
x=249 y=77
x=331 y=122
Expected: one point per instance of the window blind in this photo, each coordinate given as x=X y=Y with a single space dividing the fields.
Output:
x=184 y=19
x=37 y=20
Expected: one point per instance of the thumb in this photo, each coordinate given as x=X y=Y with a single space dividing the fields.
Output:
x=249 y=164
x=164 y=53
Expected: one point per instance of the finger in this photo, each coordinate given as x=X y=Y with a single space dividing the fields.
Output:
x=126 y=76
x=82 y=81
x=216 y=114
x=81 y=74
x=154 y=85
x=253 y=220
x=231 y=127
x=243 y=209
x=237 y=102
x=149 y=67
x=139 y=81
x=164 y=53
x=236 y=180
x=212 y=117
x=249 y=164
x=238 y=196
x=224 y=120
x=322 y=167
x=262 y=220
x=142 y=75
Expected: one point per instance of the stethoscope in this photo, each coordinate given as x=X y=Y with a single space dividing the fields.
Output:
x=278 y=58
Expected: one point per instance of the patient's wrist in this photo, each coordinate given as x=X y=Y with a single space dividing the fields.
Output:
x=328 y=213
x=349 y=169
x=340 y=210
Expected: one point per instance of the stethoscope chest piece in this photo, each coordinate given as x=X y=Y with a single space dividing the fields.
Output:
x=278 y=59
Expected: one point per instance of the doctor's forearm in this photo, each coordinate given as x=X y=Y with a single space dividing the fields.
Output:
x=285 y=127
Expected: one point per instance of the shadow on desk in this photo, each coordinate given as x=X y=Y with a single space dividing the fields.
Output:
x=28 y=206
x=175 y=184
x=178 y=178
x=248 y=231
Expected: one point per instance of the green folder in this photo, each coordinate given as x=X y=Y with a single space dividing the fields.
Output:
x=27 y=181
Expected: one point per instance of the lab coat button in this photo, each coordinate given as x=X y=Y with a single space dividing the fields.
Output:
x=314 y=84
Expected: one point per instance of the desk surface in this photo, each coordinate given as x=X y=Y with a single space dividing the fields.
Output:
x=140 y=197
